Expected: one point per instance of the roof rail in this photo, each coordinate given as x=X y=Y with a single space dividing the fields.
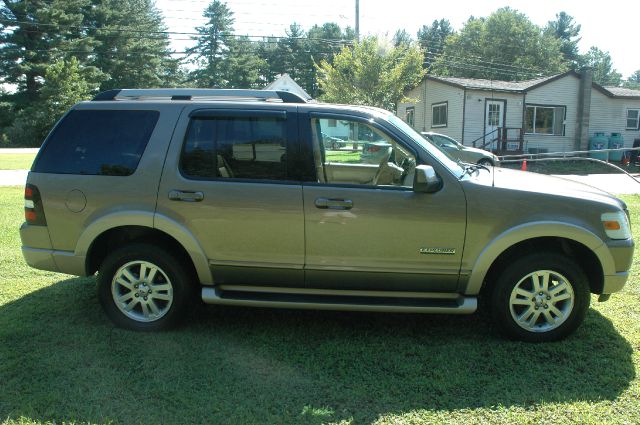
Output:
x=204 y=94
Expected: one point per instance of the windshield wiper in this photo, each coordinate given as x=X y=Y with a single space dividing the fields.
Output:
x=470 y=168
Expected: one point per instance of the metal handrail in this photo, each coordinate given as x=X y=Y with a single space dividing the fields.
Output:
x=473 y=142
x=577 y=158
x=531 y=156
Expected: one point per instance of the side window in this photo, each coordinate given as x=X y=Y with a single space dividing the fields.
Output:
x=97 y=142
x=365 y=155
x=235 y=147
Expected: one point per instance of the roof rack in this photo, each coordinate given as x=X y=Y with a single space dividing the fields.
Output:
x=202 y=94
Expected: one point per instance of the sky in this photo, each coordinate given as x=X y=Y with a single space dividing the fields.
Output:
x=612 y=25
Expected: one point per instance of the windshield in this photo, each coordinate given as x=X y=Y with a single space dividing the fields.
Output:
x=441 y=157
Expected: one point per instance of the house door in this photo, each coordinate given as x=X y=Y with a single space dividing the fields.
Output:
x=494 y=118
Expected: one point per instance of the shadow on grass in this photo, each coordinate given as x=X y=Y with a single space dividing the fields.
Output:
x=62 y=360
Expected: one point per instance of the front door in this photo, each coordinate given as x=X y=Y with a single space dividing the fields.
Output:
x=494 y=119
x=366 y=229
x=227 y=181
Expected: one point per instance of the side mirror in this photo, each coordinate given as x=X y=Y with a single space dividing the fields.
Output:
x=426 y=180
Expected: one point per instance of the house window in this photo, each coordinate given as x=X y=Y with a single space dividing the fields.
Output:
x=439 y=114
x=633 y=119
x=545 y=120
x=410 y=115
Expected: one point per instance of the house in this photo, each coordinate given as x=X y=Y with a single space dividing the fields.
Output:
x=558 y=113
x=285 y=83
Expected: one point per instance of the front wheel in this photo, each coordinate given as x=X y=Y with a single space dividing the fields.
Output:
x=540 y=297
x=486 y=162
x=143 y=287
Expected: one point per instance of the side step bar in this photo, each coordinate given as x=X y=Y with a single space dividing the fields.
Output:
x=390 y=304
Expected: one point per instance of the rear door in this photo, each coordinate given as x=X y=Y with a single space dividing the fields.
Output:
x=229 y=180
x=374 y=232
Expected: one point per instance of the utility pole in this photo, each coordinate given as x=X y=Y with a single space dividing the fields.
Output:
x=358 y=20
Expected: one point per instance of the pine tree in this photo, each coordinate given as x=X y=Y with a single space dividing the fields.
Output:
x=131 y=45
x=66 y=82
x=36 y=33
x=212 y=46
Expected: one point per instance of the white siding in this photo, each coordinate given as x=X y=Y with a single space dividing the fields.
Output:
x=425 y=95
x=474 y=119
x=437 y=92
x=561 y=92
x=609 y=115
x=415 y=95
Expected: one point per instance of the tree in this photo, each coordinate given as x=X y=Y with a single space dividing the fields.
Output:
x=66 y=83
x=243 y=65
x=504 y=46
x=432 y=39
x=603 y=71
x=211 y=47
x=402 y=38
x=567 y=31
x=370 y=73
x=323 y=43
x=131 y=45
x=36 y=33
x=633 y=82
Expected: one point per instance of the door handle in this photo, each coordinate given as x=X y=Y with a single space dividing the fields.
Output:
x=186 y=196
x=334 y=204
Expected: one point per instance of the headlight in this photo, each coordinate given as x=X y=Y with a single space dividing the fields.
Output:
x=616 y=225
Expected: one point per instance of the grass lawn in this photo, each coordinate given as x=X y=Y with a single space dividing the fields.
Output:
x=349 y=157
x=16 y=161
x=61 y=360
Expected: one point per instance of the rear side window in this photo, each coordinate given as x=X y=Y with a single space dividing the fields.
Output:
x=235 y=147
x=97 y=142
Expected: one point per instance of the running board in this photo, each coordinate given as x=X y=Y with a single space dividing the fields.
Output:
x=392 y=304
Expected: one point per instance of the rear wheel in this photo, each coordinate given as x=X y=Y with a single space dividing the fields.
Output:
x=540 y=297
x=143 y=287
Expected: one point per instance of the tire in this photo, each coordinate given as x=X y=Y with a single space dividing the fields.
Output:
x=526 y=308
x=156 y=302
x=486 y=162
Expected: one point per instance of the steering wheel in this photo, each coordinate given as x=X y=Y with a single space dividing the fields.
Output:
x=383 y=163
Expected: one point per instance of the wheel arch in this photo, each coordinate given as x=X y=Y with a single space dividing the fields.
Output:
x=579 y=243
x=105 y=234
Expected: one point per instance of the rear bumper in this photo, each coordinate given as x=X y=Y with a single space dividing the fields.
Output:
x=54 y=261
x=39 y=258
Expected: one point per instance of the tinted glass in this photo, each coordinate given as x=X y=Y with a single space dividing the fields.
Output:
x=97 y=142
x=235 y=147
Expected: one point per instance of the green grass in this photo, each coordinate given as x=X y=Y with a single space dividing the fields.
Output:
x=16 y=161
x=349 y=157
x=61 y=360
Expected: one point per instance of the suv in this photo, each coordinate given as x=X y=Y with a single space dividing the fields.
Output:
x=232 y=196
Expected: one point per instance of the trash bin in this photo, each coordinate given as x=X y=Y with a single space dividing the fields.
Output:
x=597 y=142
x=616 y=141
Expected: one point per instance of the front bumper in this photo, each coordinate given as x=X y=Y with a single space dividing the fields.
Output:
x=622 y=255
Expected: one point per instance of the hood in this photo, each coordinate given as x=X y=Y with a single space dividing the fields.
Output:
x=539 y=183
x=478 y=151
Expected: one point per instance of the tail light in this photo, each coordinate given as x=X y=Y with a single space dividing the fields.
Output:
x=33 y=210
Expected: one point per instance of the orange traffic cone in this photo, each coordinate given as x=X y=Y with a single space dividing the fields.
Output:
x=524 y=165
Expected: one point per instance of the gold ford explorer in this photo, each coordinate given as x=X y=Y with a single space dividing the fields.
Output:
x=234 y=196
